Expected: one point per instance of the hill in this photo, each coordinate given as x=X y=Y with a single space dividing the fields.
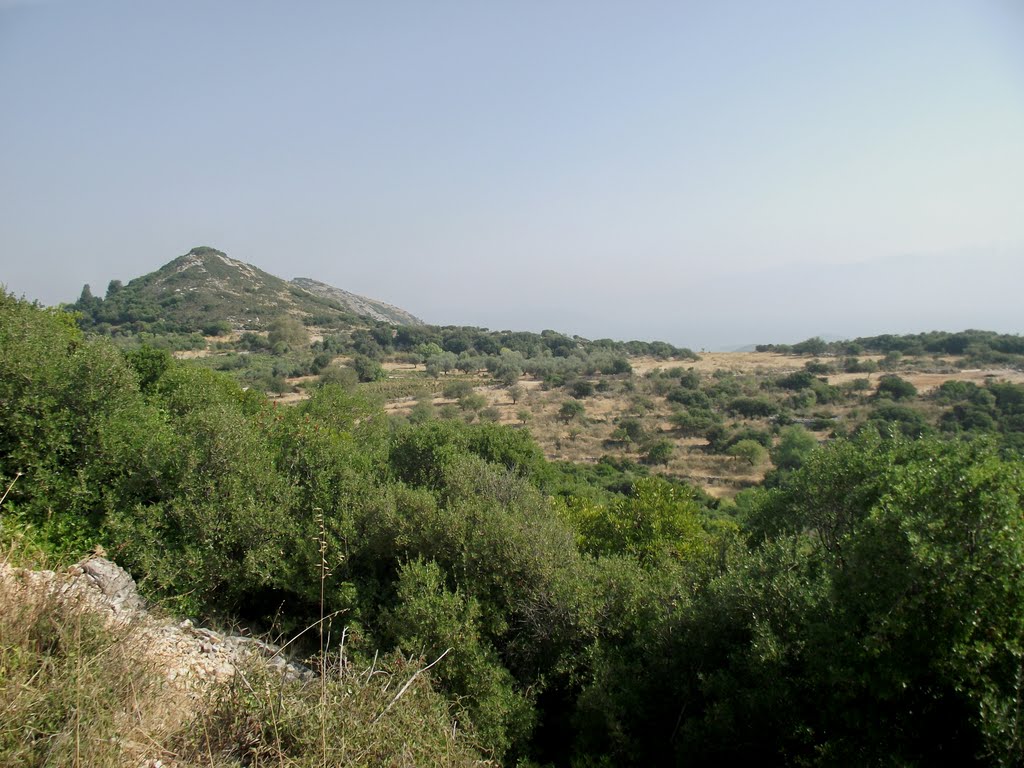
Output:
x=360 y=305
x=205 y=290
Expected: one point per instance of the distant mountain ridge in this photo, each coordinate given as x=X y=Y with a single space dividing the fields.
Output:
x=205 y=288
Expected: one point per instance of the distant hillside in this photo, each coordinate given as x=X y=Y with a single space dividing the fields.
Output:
x=359 y=305
x=205 y=290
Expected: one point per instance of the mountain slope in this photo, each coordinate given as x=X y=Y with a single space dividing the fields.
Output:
x=206 y=289
x=359 y=305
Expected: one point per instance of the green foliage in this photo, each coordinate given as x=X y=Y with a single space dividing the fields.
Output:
x=420 y=454
x=721 y=439
x=895 y=388
x=72 y=421
x=633 y=429
x=441 y=363
x=443 y=625
x=508 y=371
x=423 y=411
x=657 y=519
x=571 y=409
x=814 y=346
x=752 y=407
x=149 y=364
x=797 y=380
x=794 y=446
x=692 y=423
x=218 y=328
x=335 y=375
x=979 y=347
x=217 y=513
x=890 y=418
x=818 y=368
x=77 y=691
x=368 y=369
x=659 y=452
x=879 y=617
x=472 y=401
x=693 y=399
x=453 y=390
x=581 y=389
x=287 y=330
x=868 y=608
x=750 y=451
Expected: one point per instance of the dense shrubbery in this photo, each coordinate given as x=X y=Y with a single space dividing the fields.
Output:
x=977 y=347
x=867 y=609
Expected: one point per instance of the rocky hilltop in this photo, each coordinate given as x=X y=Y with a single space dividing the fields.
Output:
x=359 y=305
x=206 y=290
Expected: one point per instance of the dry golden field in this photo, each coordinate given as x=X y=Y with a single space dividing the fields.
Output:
x=586 y=440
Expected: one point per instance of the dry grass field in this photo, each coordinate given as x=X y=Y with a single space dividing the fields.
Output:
x=588 y=439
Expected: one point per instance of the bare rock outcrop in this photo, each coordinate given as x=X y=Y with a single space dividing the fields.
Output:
x=190 y=658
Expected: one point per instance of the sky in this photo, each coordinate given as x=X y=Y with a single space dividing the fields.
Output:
x=712 y=174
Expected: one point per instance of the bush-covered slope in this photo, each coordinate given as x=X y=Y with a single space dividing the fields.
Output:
x=869 y=609
x=207 y=291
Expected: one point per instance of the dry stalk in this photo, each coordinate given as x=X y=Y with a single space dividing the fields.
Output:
x=409 y=682
x=16 y=476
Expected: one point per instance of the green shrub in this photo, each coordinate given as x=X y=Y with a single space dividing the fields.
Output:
x=894 y=387
x=750 y=451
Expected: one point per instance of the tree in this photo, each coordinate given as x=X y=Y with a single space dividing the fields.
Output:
x=472 y=401
x=367 y=369
x=752 y=407
x=442 y=363
x=659 y=452
x=508 y=371
x=453 y=390
x=426 y=351
x=571 y=409
x=633 y=429
x=750 y=451
x=814 y=346
x=288 y=331
x=795 y=445
x=337 y=375
x=694 y=422
x=433 y=620
x=516 y=393
x=894 y=387
x=890 y=418
x=217 y=328
x=797 y=380
x=582 y=388
x=423 y=411
x=149 y=363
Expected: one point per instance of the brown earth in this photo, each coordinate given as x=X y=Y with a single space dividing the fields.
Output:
x=588 y=441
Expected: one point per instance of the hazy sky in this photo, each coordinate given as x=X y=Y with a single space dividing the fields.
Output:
x=709 y=173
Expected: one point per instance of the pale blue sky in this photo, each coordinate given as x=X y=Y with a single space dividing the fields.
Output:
x=708 y=173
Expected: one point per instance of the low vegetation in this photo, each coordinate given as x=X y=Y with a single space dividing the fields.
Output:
x=864 y=604
x=79 y=690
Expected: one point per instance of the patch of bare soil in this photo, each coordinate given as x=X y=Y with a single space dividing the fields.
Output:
x=192 y=354
x=403 y=367
x=737 y=362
